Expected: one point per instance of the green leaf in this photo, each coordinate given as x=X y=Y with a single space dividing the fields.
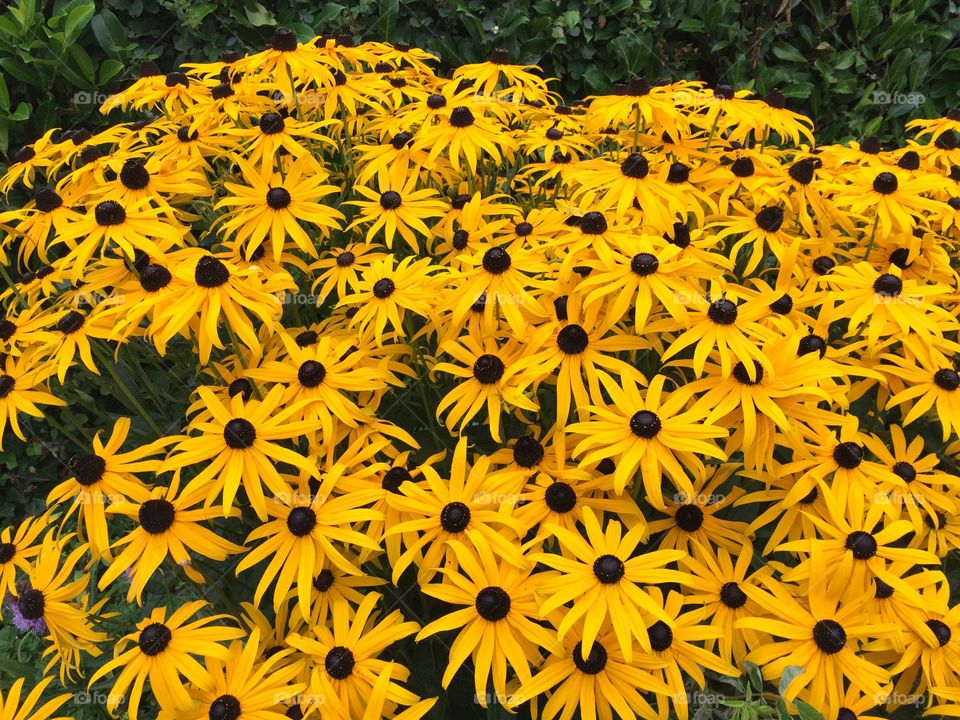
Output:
x=807 y=711
x=82 y=64
x=258 y=16
x=330 y=11
x=691 y=25
x=570 y=18
x=17 y=70
x=784 y=51
x=77 y=20
x=21 y=113
x=25 y=12
x=866 y=16
x=108 y=31
x=790 y=672
x=596 y=79
x=109 y=69
x=4 y=95
x=754 y=675
x=844 y=60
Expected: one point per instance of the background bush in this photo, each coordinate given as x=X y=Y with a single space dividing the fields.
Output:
x=856 y=66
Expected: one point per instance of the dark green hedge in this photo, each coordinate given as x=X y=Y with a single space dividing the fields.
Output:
x=856 y=66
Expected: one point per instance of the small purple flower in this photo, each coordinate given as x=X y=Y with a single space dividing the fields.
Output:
x=37 y=627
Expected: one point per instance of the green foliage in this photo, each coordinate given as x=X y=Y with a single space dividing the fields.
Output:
x=55 y=58
x=858 y=67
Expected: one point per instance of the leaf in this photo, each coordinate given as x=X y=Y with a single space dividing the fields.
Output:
x=782 y=711
x=77 y=20
x=82 y=64
x=790 y=672
x=258 y=16
x=844 y=60
x=690 y=25
x=109 y=69
x=785 y=51
x=21 y=113
x=754 y=675
x=330 y=11
x=866 y=16
x=596 y=80
x=807 y=711
x=108 y=31
x=4 y=95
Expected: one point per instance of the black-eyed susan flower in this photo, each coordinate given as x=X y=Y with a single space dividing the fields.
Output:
x=677 y=643
x=489 y=382
x=695 y=518
x=167 y=527
x=56 y=600
x=822 y=637
x=162 y=654
x=597 y=683
x=274 y=207
x=240 y=444
x=240 y=687
x=602 y=578
x=399 y=210
x=104 y=476
x=348 y=667
x=217 y=293
x=715 y=584
x=21 y=381
x=650 y=433
x=299 y=539
x=388 y=290
x=498 y=623
x=463 y=508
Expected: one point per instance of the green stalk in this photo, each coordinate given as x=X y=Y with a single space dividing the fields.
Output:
x=125 y=390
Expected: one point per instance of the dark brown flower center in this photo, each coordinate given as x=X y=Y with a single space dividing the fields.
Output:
x=301 y=521
x=156 y=515
x=608 y=569
x=829 y=636
x=645 y=424
x=154 y=639
x=454 y=517
x=239 y=433
x=339 y=663
x=493 y=603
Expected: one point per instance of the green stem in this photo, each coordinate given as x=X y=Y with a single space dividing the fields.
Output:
x=873 y=234
x=125 y=390
x=67 y=434
x=713 y=131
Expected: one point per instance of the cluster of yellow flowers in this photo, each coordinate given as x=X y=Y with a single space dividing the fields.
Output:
x=674 y=367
